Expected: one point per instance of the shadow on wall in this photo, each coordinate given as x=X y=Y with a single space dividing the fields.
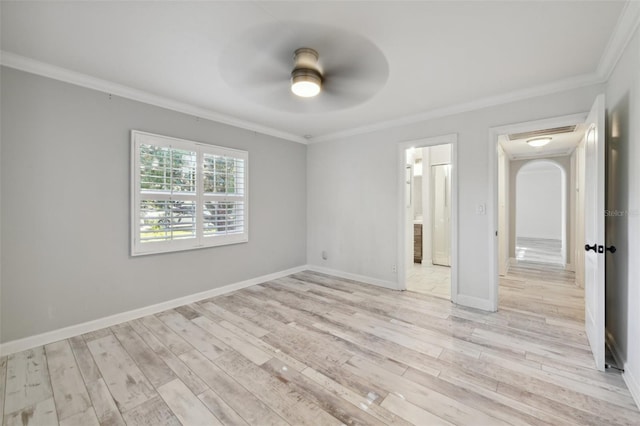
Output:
x=616 y=225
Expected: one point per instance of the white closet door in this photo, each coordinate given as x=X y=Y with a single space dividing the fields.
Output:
x=441 y=214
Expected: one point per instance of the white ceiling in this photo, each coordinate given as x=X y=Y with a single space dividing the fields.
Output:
x=439 y=54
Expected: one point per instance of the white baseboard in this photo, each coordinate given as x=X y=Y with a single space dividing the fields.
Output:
x=507 y=266
x=463 y=300
x=474 y=302
x=349 y=276
x=629 y=376
x=86 y=327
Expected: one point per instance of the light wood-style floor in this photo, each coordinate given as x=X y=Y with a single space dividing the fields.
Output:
x=311 y=349
x=540 y=250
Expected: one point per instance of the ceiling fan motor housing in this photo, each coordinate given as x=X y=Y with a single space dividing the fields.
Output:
x=306 y=72
x=306 y=58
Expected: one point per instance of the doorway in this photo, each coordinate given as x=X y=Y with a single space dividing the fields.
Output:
x=428 y=217
x=567 y=135
x=540 y=212
x=589 y=128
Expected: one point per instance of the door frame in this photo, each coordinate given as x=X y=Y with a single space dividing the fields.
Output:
x=451 y=139
x=492 y=206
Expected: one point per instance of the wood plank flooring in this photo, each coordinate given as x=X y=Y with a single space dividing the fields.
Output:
x=539 y=250
x=310 y=349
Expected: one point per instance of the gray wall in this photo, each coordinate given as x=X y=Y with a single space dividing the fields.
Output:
x=353 y=207
x=65 y=170
x=539 y=211
x=623 y=228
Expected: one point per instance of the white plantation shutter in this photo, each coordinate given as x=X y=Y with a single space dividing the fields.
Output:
x=186 y=195
x=223 y=194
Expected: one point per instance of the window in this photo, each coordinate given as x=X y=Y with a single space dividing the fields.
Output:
x=186 y=195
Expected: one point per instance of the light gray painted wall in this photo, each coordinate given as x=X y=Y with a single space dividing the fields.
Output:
x=514 y=168
x=539 y=203
x=623 y=196
x=65 y=207
x=353 y=198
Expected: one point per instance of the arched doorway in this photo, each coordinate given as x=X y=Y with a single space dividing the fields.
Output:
x=540 y=213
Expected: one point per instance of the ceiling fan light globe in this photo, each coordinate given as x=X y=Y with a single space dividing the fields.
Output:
x=305 y=89
x=536 y=143
x=305 y=84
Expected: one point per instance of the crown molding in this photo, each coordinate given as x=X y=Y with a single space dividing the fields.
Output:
x=622 y=34
x=33 y=66
x=624 y=30
x=490 y=101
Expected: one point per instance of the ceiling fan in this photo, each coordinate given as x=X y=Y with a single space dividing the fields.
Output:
x=334 y=68
x=306 y=77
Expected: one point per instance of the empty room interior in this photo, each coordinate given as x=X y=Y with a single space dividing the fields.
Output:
x=320 y=213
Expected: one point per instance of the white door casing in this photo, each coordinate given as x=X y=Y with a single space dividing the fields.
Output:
x=404 y=240
x=491 y=303
x=503 y=212
x=594 y=294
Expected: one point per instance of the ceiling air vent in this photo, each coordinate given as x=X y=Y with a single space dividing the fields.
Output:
x=541 y=133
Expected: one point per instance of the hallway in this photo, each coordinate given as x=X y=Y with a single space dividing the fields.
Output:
x=543 y=290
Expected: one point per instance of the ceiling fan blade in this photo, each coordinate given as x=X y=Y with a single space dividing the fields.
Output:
x=256 y=58
x=258 y=65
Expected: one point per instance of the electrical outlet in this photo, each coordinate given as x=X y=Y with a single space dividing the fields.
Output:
x=324 y=255
x=394 y=269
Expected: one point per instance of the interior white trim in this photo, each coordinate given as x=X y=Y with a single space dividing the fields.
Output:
x=628 y=376
x=628 y=22
x=623 y=32
x=451 y=139
x=349 y=276
x=632 y=384
x=514 y=96
x=86 y=327
x=492 y=205
x=32 y=66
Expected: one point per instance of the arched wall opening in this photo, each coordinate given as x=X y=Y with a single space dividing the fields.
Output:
x=540 y=223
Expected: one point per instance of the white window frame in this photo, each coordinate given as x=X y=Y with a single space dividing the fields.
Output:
x=201 y=240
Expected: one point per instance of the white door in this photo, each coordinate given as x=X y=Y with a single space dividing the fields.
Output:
x=594 y=231
x=441 y=214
